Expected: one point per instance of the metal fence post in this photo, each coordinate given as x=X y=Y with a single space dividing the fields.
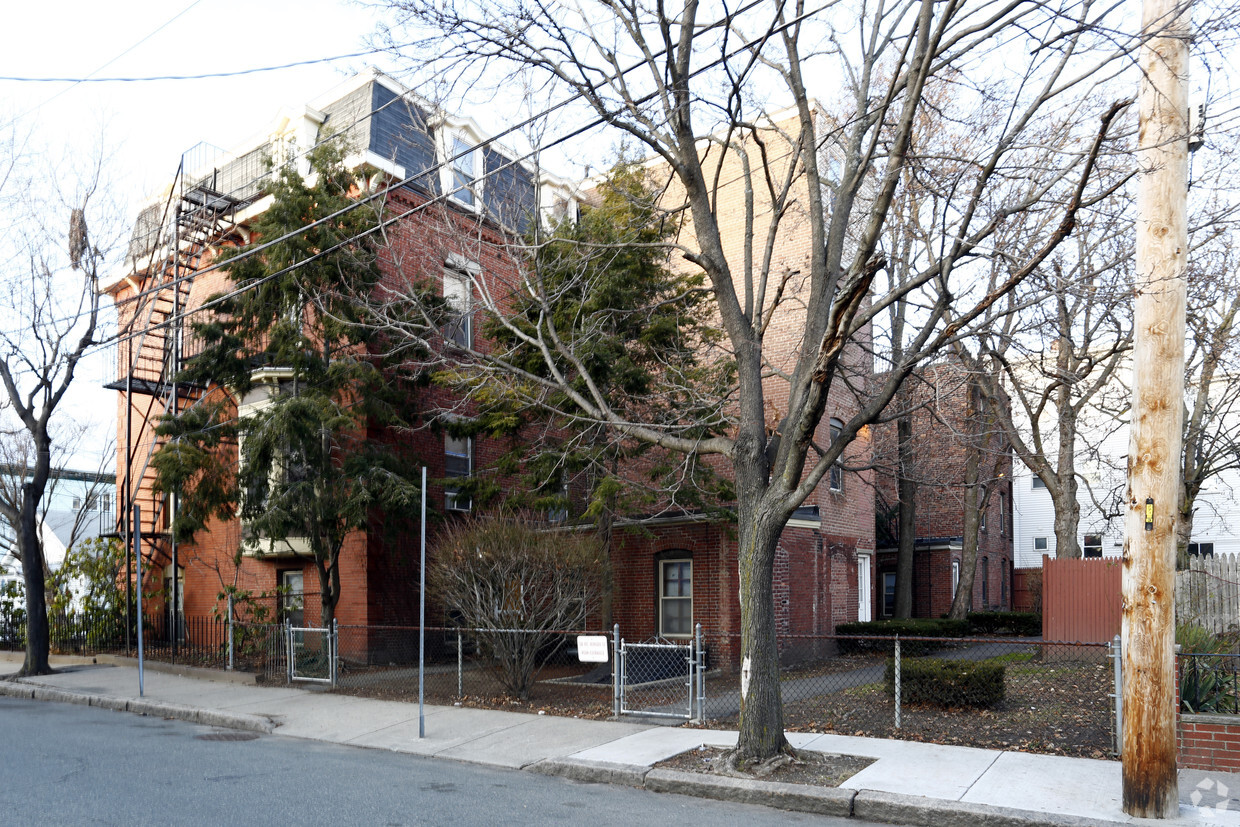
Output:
x=460 y=666
x=1118 y=661
x=701 y=679
x=230 y=632
x=897 y=680
x=333 y=649
x=288 y=652
x=616 y=678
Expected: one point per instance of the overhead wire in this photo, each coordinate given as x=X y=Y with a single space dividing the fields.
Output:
x=75 y=81
x=435 y=168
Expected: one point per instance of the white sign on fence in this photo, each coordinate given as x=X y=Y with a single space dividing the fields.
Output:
x=592 y=648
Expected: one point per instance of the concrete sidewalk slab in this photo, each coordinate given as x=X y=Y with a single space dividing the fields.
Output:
x=1083 y=787
x=536 y=739
x=654 y=745
x=910 y=767
x=909 y=782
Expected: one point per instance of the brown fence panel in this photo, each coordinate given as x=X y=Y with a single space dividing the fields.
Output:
x=1080 y=599
x=1027 y=590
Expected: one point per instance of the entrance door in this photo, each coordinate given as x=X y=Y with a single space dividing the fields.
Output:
x=865 y=589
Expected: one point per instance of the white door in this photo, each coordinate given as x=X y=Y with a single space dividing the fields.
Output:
x=864 y=589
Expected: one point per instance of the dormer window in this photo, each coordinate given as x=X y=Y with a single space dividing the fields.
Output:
x=463 y=160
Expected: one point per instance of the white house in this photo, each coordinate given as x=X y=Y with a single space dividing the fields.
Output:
x=1102 y=467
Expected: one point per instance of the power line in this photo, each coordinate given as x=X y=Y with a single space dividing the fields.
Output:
x=447 y=162
x=203 y=76
x=152 y=33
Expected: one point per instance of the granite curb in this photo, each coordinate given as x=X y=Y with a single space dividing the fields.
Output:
x=141 y=706
x=897 y=808
x=870 y=805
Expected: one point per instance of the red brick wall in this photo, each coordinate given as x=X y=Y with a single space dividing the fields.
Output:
x=1209 y=742
x=815 y=585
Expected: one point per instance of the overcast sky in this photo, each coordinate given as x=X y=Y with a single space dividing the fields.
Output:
x=145 y=126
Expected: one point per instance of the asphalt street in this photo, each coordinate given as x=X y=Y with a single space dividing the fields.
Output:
x=69 y=764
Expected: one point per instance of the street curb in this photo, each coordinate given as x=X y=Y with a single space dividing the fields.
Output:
x=161 y=709
x=830 y=801
x=601 y=772
x=896 y=808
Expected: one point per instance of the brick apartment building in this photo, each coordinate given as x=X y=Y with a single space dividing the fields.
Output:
x=670 y=571
x=827 y=550
x=945 y=423
x=392 y=135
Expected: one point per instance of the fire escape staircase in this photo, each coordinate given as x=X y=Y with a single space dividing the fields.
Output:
x=156 y=343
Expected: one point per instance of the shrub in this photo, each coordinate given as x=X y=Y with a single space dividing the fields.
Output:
x=1026 y=624
x=518 y=586
x=913 y=628
x=947 y=683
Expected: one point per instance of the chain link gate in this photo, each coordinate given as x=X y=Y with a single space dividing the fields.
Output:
x=311 y=653
x=661 y=678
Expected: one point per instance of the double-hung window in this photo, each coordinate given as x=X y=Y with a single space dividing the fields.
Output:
x=464 y=171
x=837 y=469
x=457 y=295
x=458 y=461
x=676 y=598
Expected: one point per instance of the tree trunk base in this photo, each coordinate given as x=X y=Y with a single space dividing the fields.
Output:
x=739 y=766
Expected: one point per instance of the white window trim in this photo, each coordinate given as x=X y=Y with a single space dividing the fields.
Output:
x=447 y=136
x=293 y=546
x=662 y=597
x=464 y=277
x=450 y=494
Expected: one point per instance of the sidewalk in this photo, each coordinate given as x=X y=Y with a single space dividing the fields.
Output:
x=909 y=783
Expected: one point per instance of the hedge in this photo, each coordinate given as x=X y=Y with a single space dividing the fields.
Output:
x=917 y=627
x=947 y=683
x=1026 y=624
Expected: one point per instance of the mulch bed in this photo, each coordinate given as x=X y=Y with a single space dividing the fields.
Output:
x=813 y=768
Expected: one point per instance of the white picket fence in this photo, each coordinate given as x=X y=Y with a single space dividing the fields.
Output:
x=1208 y=593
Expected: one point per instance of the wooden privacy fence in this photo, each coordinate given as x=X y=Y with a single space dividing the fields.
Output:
x=1208 y=593
x=1080 y=599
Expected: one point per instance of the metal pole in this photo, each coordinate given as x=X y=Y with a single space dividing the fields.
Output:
x=127 y=498
x=333 y=649
x=422 y=619
x=615 y=670
x=230 y=632
x=701 y=680
x=137 y=556
x=897 y=680
x=1117 y=658
x=460 y=666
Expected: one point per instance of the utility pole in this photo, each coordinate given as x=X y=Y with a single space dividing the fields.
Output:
x=1149 y=738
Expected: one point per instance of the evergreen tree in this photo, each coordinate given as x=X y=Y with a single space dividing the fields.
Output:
x=291 y=434
x=638 y=330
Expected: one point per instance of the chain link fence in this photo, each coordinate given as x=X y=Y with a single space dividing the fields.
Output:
x=1006 y=693
x=983 y=692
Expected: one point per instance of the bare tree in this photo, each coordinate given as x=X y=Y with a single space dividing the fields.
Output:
x=51 y=313
x=1212 y=397
x=691 y=87
x=1050 y=359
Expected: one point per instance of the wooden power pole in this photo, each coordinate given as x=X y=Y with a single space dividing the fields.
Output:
x=1149 y=742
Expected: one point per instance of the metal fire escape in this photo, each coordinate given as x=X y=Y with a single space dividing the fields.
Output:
x=154 y=345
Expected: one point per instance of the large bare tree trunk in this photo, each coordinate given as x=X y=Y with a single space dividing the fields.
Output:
x=1149 y=738
x=38 y=638
x=762 y=708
